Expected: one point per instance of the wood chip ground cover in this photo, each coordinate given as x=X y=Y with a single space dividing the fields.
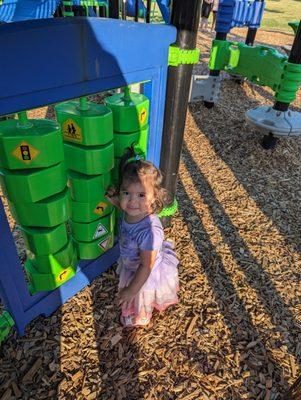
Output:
x=236 y=333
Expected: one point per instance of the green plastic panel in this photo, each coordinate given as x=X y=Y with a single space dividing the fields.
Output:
x=40 y=282
x=87 y=232
x=91 y=250
x=39 y=145
x=52 y=263
x=42 y=241
x=115 y=172
x=6 y=323
x=90 y=161
x=50 y=212
x=290 y=83
x=91 y=127
x=90 y=211
x=33 y=185
x=85 y=188
x=262 y=65
x=131 y=113
x=124 y=140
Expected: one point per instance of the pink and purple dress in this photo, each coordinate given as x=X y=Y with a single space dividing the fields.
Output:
x=160 y=289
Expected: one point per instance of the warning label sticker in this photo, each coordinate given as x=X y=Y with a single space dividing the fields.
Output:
x=100 y=208
x=25 y=152
x=100 y=231
x=143 y=116
x=105 y=244
x=71 y=131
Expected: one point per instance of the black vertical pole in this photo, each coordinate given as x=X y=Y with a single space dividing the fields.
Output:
x=185 y=17
x=114 y=9
x=294 y=58
x=136 y=10
x=148 y=11
x=251 y=34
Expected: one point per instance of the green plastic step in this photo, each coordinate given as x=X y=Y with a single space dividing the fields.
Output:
x=33 y=185
x=42 y=241
x=90 y=127
x=94 y=160
x=130 y=111
x=92 y=250
x=87 y=232
x=90 y=211
x=49 y=212
x=137 y=139
x=85 y=188
x=39 y=145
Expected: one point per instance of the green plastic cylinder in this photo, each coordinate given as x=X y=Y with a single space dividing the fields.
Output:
x=115 y=172
x=42 y=241
x=92 y=250
x=38 y=144
x=85 y=188
x=90 y=211
x=90 y=161
x=52 y=263
x=92 y=126
x=33 y=185
x=87 y=232
x=130 y=112
x=137 y=139
x=49 y=212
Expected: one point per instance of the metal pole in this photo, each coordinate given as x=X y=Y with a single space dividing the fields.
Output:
x=251 y=34
x=148 y=11
x=185 y=17
x=136 y=10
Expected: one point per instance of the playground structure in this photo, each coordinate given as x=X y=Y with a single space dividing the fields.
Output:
x=15 y=10
x=34 y=155
x=262 y=65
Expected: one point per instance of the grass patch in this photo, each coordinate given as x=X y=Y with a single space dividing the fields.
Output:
x=278 y=13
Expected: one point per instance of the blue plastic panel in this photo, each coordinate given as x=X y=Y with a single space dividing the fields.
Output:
x=59 y=59
x=19 y=10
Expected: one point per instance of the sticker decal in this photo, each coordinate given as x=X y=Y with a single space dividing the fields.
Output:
x=100 y=208
x=100 y=231
x=25 y=152
x=143 y=116
x=71 y=131
x=105 y=244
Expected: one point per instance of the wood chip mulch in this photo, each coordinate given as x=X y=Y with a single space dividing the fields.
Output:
x=236 y=333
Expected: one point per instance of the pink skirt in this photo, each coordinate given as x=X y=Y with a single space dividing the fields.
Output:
x=160 y=289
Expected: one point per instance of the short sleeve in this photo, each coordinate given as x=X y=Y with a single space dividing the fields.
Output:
x=151 y=238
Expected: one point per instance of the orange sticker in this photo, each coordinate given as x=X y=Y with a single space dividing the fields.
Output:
x=100 y=208
x=71 y=131
x=25 y=152
x=143 y=116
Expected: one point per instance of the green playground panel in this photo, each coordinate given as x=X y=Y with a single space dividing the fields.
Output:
x=115 y=172
x=85 y=188
x=6 y=322
x=33 y=185
x=90 y=211
x=124 y=140
x=49 y=212
x=92 y=126
x=91 y=250
x=49 y=281
x=87 y=232
x=90 y=161
x=36 y=145
x=42 y=241
x=262 y=65
x=130 y=111
x=290 y=83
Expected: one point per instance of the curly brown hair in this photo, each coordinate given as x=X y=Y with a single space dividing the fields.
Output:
x=134 y=170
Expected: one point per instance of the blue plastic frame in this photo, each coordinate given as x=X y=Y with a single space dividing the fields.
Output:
x=61 y=59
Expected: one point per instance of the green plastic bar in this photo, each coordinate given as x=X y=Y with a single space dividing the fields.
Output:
x=83 y=104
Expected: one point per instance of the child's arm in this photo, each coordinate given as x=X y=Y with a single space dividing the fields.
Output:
x=112 y=197
x=147 y=259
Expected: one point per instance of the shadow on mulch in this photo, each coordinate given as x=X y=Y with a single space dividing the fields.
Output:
x=237 y=318
x=239 y=147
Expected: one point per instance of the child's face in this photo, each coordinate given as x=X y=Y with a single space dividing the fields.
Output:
x=136 y=199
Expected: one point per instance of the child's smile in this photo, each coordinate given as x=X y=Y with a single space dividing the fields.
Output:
x=136 y=200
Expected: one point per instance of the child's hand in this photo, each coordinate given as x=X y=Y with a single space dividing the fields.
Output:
x=112 y=196
x=125 y=296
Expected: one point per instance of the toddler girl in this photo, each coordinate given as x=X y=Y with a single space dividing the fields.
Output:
x=148 y=276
